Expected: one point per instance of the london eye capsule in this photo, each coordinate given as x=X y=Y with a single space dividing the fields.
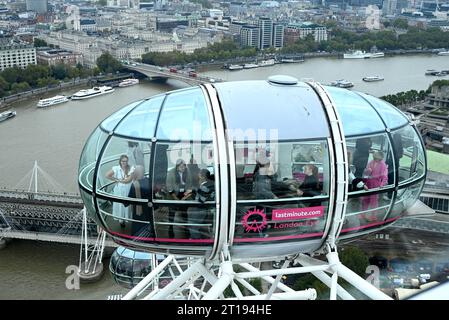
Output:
x=259 y=168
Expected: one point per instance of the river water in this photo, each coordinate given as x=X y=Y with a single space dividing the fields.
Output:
x=54 y=137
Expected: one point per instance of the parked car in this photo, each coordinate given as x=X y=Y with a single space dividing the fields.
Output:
x=174 y=70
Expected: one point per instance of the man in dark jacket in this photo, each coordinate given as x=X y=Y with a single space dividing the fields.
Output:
x=202 y=215
x=140 y=189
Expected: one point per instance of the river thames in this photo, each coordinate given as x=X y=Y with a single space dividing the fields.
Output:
x=54 y=137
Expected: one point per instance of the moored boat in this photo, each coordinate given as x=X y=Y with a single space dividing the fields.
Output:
x=342 y=83
x=90 y=93
x=128 y=82
x=250 y=66
x=359 y=54
x=443 y=53
x=290 y=60
x=266 y=63
x=235 y=67
x=7 y=115
x=372 y=78
x=52 y=101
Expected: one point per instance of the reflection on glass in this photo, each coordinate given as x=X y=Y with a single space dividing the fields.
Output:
x=366 y=211
x=89 y=157
x=110 y=123
x=184 y=117
x=141 y=122
x=406 y=198
x=357 y=116
x=370 y=163
x=177 y=168
x=391 y=115
x=282 y=170
x=410 y=153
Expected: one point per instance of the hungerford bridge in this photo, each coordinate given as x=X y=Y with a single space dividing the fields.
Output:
x=58 y=217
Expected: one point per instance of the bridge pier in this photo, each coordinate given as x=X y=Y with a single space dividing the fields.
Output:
x=91 y=273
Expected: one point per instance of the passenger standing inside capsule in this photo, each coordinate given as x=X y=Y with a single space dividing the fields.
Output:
x=376 y=176
x=140 y=189
x=201 y=215
x=135 y=154
x=361 y=155
x=179 y=187
x=122 y=176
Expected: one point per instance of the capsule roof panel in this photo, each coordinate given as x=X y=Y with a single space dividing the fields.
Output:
x=362 y=114
x=294 y=110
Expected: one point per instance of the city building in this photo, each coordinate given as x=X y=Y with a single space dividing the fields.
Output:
x=439 y=96
x=16 y=55
x=59 y=56
x=167 y=24
x=296 y=31
x=38 y=6
x=265 y=33
x=389 y=7
x=278 y=35
x=85 y=24
x=373 y=17
x=249 y=36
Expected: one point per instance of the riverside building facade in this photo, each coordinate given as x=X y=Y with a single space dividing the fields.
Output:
x=17 y=55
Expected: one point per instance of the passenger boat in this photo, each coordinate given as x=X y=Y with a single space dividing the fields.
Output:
x=432 y=72
x=376 y=55
x=250 y=66
x=266 y=63
x=52 y=101
x=128 y=82
x=342 y=83
x=372 y=78
x=7 y=115
x=90 y=93
x=235 y=67
x=358 y=54
x=289 y=60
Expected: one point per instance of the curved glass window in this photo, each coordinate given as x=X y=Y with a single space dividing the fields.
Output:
x=409 y=154
x=89 y=157
x=358 y=116
x=184 y=117
x=282 y=190
x=406 y=198
x=366 y=211
x=184 y=193
x=128 y=220
x=393 y=117
x=370 y=162
x=118 y=166
x=89 y=204
x=282 y=170
x=141 y=122
x=109 y=123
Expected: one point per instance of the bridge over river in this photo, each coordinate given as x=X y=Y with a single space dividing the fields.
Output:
x=155 y=73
